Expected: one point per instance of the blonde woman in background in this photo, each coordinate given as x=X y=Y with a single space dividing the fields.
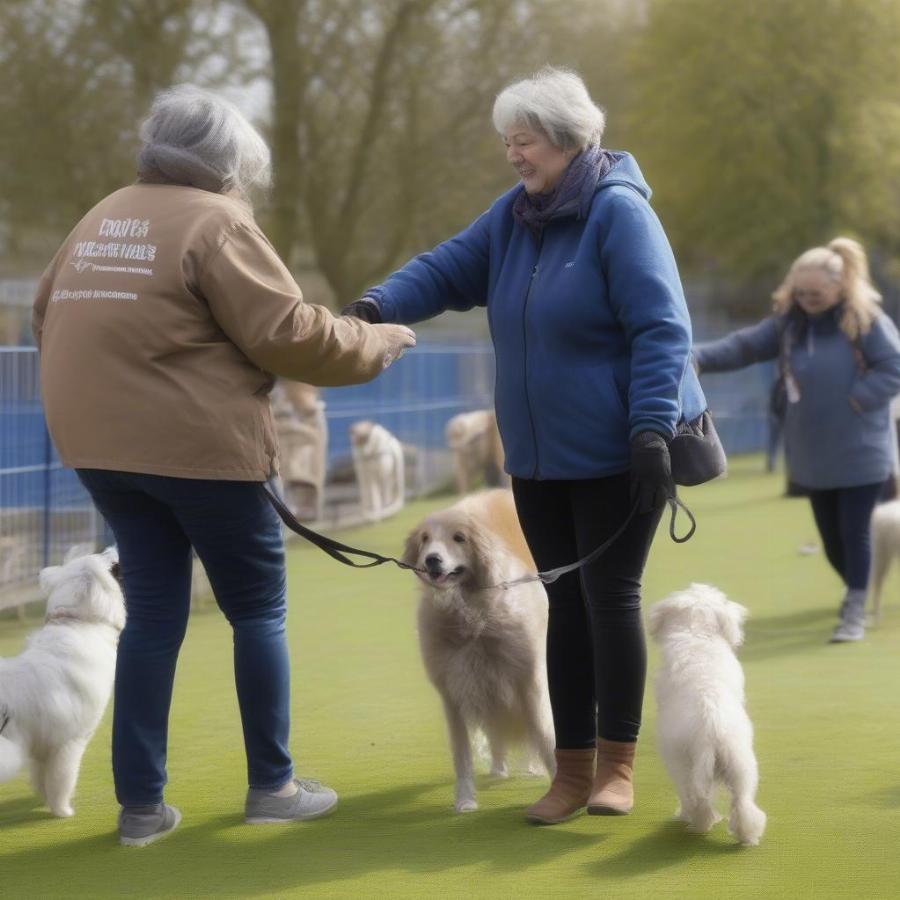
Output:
x=839 y=359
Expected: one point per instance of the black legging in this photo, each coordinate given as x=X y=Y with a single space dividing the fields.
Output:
x=596 y=655
x=843 y=517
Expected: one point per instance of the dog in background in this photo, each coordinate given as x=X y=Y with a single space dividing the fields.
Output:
x=705 y=735
x=885 y=548
x=483 y=644
x=379 y=466
x=53 y=694
x=474 y=440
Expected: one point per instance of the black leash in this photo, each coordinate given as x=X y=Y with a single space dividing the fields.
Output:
x=339 y=551
x=4 y=718
x=333 y=548
x=552 y=575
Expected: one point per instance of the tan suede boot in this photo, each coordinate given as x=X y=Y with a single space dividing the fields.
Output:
x=612 y=793
x=569 y=789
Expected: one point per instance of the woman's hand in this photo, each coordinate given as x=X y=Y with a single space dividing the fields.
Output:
x=651 y=471
x=365 y=309
x=397 y=340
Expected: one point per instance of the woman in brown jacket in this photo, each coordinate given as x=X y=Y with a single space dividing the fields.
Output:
x=161 y=322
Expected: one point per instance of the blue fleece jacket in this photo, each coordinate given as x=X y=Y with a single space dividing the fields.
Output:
x=838 y=430
x=591 y=332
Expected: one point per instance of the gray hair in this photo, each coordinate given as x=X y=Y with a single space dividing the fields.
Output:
x=556 y=102
x=197 y=138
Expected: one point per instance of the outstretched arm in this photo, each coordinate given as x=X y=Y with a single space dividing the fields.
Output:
x=754 y=344
x=454 y=275
x=259 y=306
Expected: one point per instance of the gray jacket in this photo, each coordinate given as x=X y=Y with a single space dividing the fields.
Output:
x=838 y=432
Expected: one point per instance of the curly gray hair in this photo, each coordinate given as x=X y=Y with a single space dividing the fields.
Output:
x=196 y=138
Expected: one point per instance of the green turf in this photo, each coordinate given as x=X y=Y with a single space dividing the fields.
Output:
x=367 y=722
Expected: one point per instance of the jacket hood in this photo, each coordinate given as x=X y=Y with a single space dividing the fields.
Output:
x=626 y=172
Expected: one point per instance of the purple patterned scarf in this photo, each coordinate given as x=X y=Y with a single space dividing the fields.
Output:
x=573 y=194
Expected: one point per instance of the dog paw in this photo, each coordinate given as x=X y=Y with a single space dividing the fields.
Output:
x=499 y=771
x=63 y=812
x=464 y=806
x=700 y=824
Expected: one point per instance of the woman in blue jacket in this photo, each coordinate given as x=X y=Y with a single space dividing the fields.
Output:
x=592 y=341
x=839 y=361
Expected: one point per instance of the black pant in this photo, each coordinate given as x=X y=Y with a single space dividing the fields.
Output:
x=596 y=655
x=843 y=517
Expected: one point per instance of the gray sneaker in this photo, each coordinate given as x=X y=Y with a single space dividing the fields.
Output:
x=852 y=626
x=311 y=801
x=142 y=825
x=847 y=631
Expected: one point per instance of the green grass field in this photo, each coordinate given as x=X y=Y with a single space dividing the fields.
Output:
x=367 y=722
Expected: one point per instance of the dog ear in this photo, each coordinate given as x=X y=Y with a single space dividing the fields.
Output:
x=49 y=578
x=730 y=617
x=486 y=552
x=411 y=548
x=111 y=555
x=658 y=617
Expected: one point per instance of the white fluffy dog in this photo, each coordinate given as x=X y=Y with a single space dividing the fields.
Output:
x=885 y=548
x=52 y=696
x=705 y=734
x=482 y=645
x=379 y=465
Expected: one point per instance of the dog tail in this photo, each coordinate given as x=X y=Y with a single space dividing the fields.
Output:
x=11 y=759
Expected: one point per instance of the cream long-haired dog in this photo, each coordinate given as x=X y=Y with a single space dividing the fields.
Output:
x=705 y=735
x=483 y=645
x=885 y=549
x=53 y=694
x=474 y=440
x=379 y=466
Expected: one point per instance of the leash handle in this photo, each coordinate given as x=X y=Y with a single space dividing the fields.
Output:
x=675 y=505
x=335 y=549
x=551 y=575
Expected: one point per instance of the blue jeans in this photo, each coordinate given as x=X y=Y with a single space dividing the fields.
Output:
x=843 y=517
x=237 y=535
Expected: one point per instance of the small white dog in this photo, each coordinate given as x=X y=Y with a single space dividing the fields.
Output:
x=53 y=694
x=705 y=734
x=379 y=465
x=483 y=645
x=885 y=549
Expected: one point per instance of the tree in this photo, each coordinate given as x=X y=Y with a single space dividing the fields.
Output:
x=762 y=125
x=381 y=134
x=79 y=77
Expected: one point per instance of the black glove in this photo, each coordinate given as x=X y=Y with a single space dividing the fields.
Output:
x=365 y=309
x=651 y=471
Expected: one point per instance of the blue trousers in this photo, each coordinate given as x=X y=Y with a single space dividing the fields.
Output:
x=237 y=535
x=843 y=517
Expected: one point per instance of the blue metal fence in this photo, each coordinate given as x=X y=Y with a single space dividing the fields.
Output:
x=44 y=510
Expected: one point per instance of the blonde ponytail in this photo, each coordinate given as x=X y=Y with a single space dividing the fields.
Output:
x=845 y=261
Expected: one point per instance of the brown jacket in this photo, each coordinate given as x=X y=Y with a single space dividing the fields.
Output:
x=161 y=322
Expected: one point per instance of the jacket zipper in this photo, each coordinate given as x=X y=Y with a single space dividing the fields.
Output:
x=534 y=272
